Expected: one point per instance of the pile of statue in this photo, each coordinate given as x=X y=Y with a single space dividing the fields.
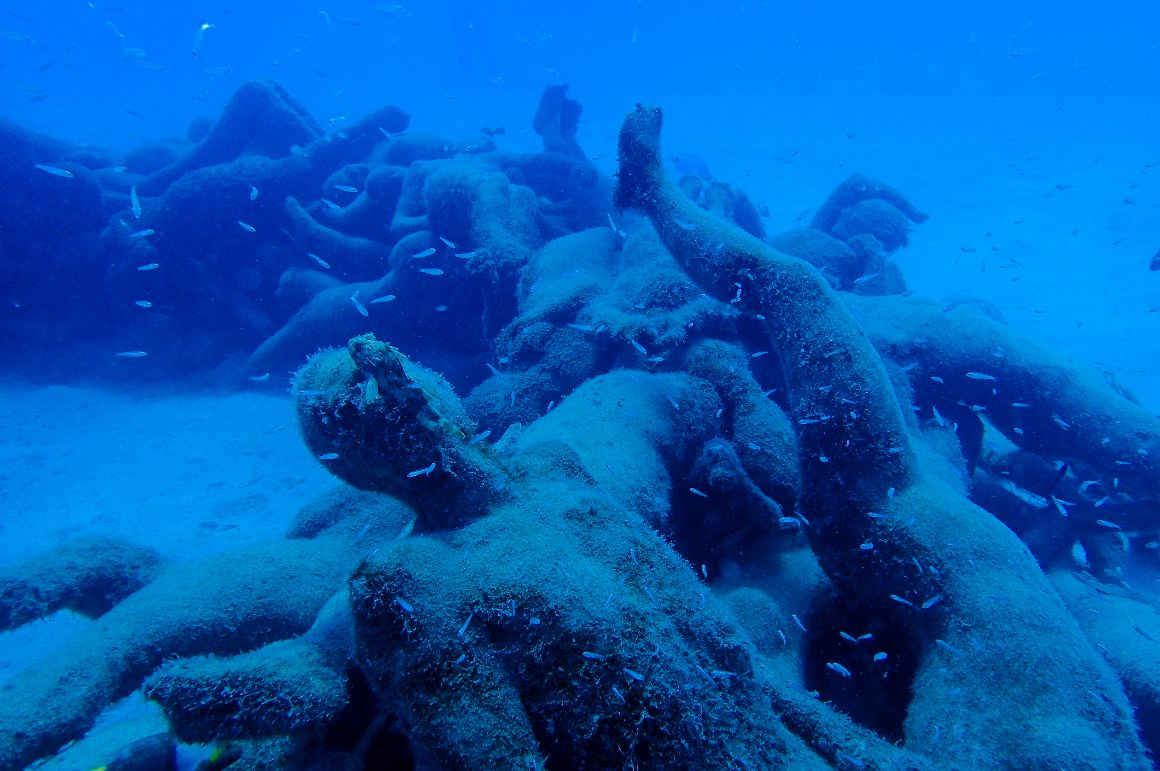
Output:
x=627 y=482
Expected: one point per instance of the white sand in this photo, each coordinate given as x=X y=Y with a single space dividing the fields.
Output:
x=185 y=474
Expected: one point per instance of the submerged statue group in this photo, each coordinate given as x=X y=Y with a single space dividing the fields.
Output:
x=629 y=482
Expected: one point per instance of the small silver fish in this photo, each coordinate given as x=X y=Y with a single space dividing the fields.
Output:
x=431 y=271
x=371 y=390
x=134 y=202
x=19 y=37
x=247 y=227
x=55 y=171
x=425 y=253
x=253 y=193
x=132 y=354
x=148 y=266
x=1028 y=497
x=199 y=37
x=834 y=666
x=142 y=233
x=359 y=306
x=384 y=299
x=323 y=263
x=421 y=472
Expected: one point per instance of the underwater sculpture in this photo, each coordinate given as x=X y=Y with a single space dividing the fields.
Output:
x=874 y=510
x=616 y=575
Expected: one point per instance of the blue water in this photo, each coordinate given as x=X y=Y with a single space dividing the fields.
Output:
x=965 y=107
x=139 y=402
x=115 y=74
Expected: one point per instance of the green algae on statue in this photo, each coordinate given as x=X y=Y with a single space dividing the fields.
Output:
x=979 y=651
x=381 y=423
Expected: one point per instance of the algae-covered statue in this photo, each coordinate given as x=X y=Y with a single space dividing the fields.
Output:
x=722 y=502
